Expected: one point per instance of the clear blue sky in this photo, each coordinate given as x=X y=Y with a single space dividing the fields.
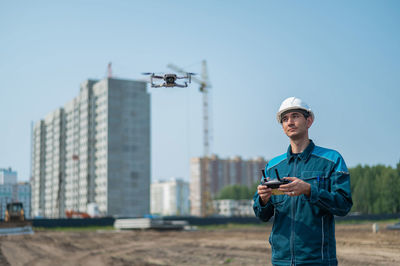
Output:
x=341 y=57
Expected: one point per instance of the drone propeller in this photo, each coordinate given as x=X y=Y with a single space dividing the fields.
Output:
x=147 y=73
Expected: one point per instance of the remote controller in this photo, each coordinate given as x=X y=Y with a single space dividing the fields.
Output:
x=274 y=184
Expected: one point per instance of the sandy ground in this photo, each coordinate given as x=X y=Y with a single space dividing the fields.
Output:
x=356 y=245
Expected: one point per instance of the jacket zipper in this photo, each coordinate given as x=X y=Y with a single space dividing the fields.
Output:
x=293 y=215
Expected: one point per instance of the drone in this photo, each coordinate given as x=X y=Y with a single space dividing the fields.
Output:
x=169 y=80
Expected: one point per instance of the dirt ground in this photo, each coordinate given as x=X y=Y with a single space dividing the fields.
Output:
x=356 y=245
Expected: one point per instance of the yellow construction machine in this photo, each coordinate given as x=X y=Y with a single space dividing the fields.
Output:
x=14 y=212
x=14 y=220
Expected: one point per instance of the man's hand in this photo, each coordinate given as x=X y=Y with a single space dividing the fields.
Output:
x=296 y=187
x=265 y=193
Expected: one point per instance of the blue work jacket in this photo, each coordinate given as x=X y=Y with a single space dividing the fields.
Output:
x=303 y=231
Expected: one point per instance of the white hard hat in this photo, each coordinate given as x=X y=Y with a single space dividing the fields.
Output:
x=293 y=103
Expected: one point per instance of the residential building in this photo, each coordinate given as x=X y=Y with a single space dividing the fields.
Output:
x=7 y=176
x=208 y=175
x=95 y=149
x=170 y=198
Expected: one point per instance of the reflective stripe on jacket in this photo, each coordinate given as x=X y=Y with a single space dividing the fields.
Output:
x=303 y=231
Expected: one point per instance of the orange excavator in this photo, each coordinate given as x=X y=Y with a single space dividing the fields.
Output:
x=76 y=214
x=92 y=212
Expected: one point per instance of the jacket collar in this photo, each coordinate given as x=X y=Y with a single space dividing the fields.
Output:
x=304 y=155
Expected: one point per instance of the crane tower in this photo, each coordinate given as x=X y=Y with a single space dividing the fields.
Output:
x=205 y=87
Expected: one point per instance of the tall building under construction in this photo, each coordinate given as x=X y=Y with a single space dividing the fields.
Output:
x=95 y=149
x=208 y=175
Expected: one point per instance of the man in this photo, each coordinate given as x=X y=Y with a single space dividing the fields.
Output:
x=303 y=231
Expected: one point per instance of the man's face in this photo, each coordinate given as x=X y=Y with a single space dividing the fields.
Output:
x=295 y=125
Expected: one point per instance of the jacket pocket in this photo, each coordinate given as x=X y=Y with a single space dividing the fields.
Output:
x=316 y=178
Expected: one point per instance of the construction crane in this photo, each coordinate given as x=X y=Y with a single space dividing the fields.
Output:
x=109 y=70
x=205 y=87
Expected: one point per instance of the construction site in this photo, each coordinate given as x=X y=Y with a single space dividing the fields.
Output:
x=199 y=133
x=357 y=244
x=75 y=222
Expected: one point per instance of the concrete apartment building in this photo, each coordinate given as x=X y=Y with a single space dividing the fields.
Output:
x=170 y=198
x=208 y=175
x=11 y=191
x=95 y=149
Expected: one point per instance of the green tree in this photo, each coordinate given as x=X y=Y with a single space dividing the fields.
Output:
x=363 y=190
x=235 y=192
x=375 y=189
